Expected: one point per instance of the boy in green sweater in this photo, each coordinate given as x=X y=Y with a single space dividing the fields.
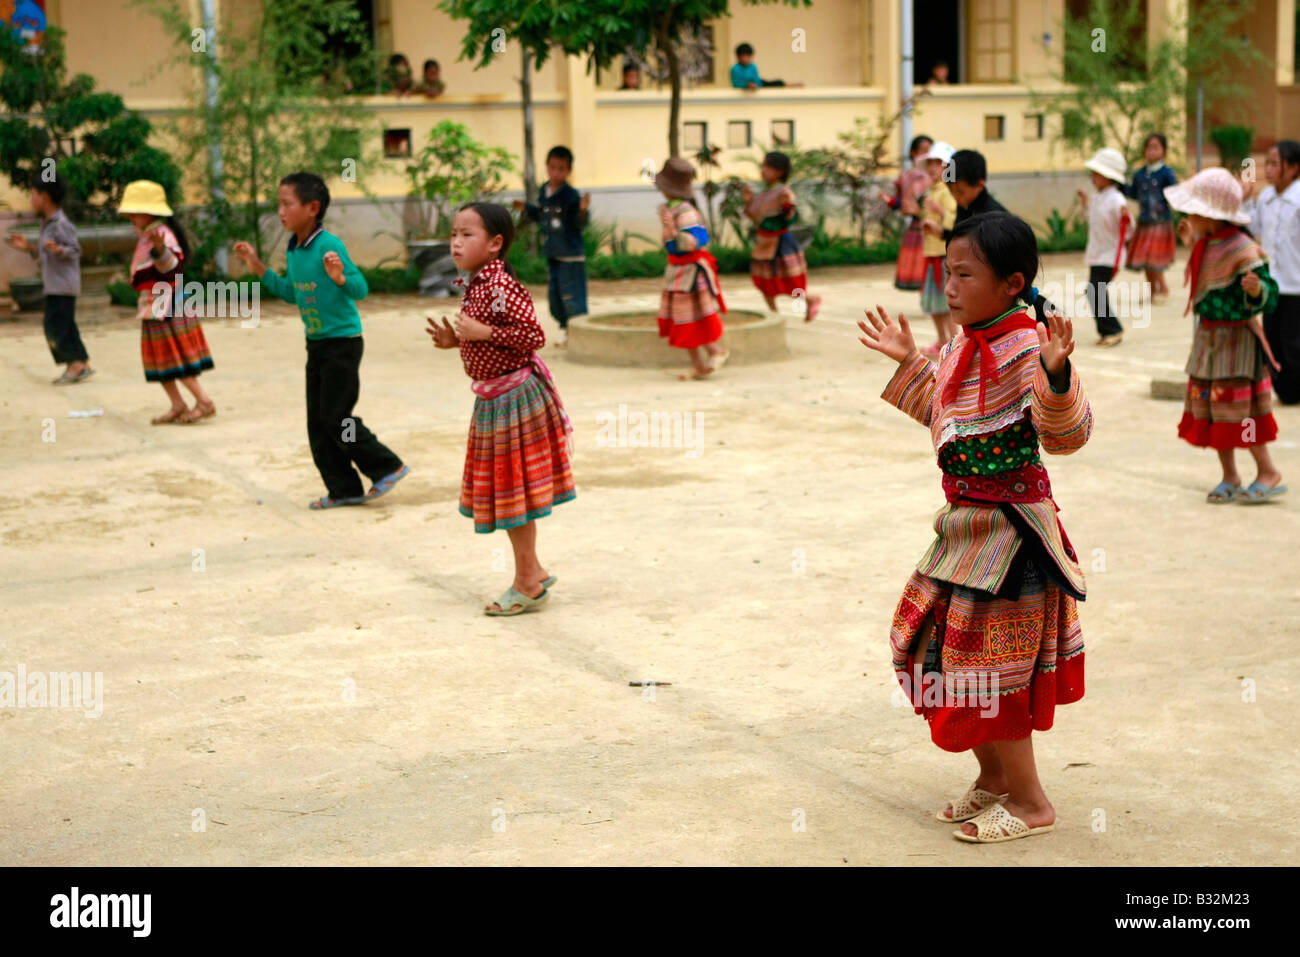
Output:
x=325 y=284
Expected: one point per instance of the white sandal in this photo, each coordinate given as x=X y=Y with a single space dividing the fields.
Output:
x=963 y=809
x=990 y=823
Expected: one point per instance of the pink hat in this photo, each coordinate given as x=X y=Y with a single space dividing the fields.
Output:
x=1213 y=193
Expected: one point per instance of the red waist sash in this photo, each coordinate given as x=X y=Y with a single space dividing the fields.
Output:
x=1028 y=484
x=710 y=274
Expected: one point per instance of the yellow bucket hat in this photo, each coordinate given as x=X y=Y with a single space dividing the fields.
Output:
x=144 y=196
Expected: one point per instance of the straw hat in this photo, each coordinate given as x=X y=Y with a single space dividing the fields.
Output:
x=1212 y=192
x=675 y=178
x=1110 y=164
x=938 y=151
x=144 y=196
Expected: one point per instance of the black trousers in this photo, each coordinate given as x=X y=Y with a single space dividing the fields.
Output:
x=337 y=437
x=61 y=331
x=1099 y=300
x=1282 y=330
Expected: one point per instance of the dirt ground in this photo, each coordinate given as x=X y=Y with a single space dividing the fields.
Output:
x=326 y=690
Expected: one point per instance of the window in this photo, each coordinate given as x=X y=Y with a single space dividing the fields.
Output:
x=738 y=134
x=990 y=33
x=397 y=143
x=1033 y=126
x=994 y=127
x=783 y=132
x=694 y=136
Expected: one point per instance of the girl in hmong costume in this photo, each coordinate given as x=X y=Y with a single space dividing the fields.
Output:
x=908 y=190
x=692 y=297
x=777 y=264
x=986 y=637
x=938 y=207
x=1229 y=392
x=517 y=461
x=172 y=343
x=1153 y=243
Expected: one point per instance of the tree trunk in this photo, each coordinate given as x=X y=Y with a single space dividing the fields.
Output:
x=675 y=79
x=526 y=94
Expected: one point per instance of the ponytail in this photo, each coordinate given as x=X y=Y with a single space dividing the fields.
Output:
x=174 y=225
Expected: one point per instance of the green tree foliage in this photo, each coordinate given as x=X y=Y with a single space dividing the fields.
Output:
x=1121 y=88
x=98 y=145
x=453 y=169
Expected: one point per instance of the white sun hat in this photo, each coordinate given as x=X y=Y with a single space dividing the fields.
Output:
x=1109 y=163
x=938 y=151
x=1214 y=193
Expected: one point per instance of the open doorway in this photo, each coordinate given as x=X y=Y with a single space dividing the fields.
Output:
x=936 y=37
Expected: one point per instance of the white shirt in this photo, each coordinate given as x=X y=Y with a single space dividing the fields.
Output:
x=1105 y=210
x=1276 y=226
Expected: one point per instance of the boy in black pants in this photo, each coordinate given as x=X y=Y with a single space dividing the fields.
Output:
x=60 y=258
x=562 y=213
x=324 y=283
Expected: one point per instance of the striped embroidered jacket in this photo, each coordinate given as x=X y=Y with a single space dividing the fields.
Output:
x=975 y=545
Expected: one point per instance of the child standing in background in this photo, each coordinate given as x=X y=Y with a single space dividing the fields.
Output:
x=562 y=214
x=517 y=463
x=777 y=265
x=172 y=344
x=692 y=297
x=908 y=190
x=939 y=215
x=1108 y=221
x=59 y=254
x=1153 y=241
x=1229 y=394
x=322 y=281
x=1276 y=225
x=986 y=637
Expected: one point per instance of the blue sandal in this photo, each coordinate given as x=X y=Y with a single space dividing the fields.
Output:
x=385 y=484
x=509 y=598
x=326 y=502
x=1259 y=492
x=1223 y=493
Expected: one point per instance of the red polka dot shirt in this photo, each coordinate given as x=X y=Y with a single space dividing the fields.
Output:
x=497 y=298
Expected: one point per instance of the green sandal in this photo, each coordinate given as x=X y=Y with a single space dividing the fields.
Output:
x=509 y=598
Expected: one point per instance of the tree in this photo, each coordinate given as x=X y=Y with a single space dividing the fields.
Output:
x=452 y=169
x=1120 y=88
x=283 y=69
x=96 y=143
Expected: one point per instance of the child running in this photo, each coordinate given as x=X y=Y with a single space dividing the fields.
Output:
x=692 y=297
x=986 y=638
x=172 y=343
x=1108 y=221
x=517 y=462
x=1229 y=393
x=908 y=190
x=321 y=280
x=777 y=265
x=1276 y=223
x=938 y=214
x=1153 y=240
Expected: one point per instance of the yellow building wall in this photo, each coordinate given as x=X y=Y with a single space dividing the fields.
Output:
x=124 y=50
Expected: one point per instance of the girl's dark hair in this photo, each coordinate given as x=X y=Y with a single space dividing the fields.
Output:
x=779 y=162
x=917 y=141
x=1159 y=138
x=498 y=222
x=174 y=225
x=1003 y=242
x=1288 y=151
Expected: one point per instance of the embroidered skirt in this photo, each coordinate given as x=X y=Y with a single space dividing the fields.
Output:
x=782 y=274
x=688 y=307
x=993 y=669
x=1229 y=403
x=911 y=258
x=1152 y=247
x=933 y=301
x=173 y=348
x=517 y=461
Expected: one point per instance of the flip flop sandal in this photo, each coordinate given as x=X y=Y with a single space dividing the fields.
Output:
x=720 y=360
x=206 y=411
x=385 y=484
x=1258 y=493
x=991 y=822
x=172 y=416
x=548 y=582
x=1223 y=493
x=813 y=309
x=509 y=598
x=963 y=809
x=81 y=376
x=326 y=502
